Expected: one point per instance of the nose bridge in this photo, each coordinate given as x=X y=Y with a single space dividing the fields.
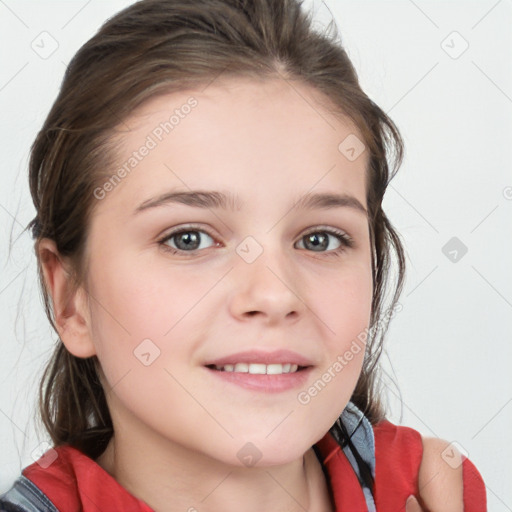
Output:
x=264 y=279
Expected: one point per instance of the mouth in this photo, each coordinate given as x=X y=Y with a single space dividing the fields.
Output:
x=259 y=368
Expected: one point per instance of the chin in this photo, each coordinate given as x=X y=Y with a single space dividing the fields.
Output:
x=262 y=452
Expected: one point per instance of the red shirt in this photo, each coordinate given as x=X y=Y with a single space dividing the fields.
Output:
x=398 y=453
x=74 y=482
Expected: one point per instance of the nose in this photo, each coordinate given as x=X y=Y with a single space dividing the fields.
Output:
x=266 y=288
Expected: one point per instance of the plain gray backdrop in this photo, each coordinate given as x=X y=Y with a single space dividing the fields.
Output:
x=443 y=72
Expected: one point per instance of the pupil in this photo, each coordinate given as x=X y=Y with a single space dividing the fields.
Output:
x=314 y=239
x=190 y=239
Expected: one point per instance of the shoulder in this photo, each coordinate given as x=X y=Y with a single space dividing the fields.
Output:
x=431 y=468
x=440 y=477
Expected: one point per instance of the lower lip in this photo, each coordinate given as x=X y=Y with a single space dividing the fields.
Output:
x=264 y=382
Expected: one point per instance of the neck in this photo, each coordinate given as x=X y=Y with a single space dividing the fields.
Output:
x=172 y=478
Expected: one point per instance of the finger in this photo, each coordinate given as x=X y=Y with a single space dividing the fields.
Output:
x=412 y=505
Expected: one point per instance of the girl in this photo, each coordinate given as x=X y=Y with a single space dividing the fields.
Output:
x=214 y=257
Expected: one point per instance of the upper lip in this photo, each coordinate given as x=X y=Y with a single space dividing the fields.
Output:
x=258 y=356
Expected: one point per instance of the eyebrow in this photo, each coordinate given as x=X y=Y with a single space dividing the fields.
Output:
x=228 y=201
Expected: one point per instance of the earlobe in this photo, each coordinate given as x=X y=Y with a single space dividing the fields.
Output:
x=70 y=309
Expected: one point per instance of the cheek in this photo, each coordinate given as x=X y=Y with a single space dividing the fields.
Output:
x=145 y=322
x=344 y=308
x=143 y=302
x=140 y=324
x=344 y=304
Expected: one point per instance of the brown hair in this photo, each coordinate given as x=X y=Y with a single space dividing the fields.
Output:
x=155 y=47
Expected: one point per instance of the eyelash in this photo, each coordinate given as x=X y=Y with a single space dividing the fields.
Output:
x=347 y=242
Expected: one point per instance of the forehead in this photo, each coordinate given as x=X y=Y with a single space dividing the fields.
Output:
x=243 y=134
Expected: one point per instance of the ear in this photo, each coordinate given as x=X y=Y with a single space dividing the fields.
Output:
x=71 y=312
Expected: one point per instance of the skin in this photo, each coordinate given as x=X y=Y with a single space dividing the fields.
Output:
x=440 y=483
x=178 y=428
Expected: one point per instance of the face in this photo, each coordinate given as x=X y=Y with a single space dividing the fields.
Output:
x=179 y=284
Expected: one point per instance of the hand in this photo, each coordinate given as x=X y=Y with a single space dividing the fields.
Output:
x=412 y=505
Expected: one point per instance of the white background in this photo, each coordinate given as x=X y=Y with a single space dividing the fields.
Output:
x=449 y=350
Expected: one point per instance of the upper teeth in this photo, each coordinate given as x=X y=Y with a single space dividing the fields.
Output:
x=270 y=369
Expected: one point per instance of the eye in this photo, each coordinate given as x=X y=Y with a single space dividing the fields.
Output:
x=185 y=240
x=319 y=241
x=191 y=238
